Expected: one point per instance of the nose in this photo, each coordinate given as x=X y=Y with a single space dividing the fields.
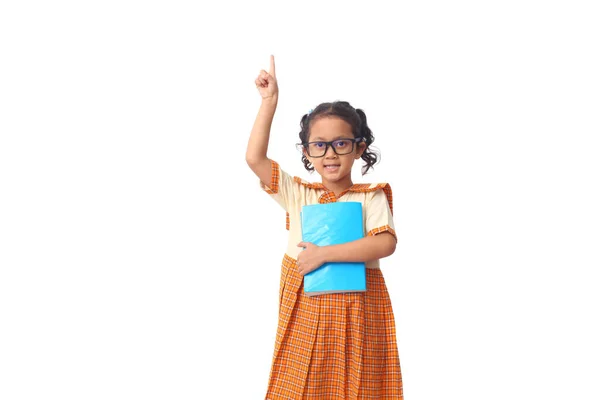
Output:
x=330 y=152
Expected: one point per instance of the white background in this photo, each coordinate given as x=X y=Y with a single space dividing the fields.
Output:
x=140 y=260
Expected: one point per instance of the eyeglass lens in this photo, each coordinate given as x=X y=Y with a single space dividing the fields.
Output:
x=340 y=147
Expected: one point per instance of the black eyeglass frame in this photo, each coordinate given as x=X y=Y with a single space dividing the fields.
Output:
x=330 y=144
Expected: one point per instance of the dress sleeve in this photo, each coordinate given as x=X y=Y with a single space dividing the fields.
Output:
x=281 y=188
x=379 y=212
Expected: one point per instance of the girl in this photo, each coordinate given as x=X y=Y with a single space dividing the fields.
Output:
x=340 y=345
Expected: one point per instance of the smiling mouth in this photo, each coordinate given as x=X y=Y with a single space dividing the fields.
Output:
x=331 y=167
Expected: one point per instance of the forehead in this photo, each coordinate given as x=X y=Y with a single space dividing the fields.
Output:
x=330 y=128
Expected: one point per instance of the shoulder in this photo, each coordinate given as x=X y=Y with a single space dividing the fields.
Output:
x=309 y=188
x=371 y=187
x=375 y=191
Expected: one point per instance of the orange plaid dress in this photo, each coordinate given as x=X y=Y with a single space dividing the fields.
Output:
x=341 y=345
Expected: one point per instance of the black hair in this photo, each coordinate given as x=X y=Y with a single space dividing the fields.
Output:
x=355 y=117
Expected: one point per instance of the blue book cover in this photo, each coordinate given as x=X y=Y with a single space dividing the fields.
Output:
x=328 y=224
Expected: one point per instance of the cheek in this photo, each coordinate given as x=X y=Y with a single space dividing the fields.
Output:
x=313 y=161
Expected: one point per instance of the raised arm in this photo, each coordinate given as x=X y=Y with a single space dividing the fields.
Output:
x=256 y=154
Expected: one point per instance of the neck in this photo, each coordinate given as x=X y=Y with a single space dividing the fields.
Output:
x=338 y=187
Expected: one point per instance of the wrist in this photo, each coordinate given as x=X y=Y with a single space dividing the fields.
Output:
x=270 y=101
x=325 y=254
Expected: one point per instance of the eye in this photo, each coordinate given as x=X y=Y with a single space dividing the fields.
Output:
x=319 y=145
x=340 y=144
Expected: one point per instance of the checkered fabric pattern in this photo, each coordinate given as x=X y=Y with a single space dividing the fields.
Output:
x=334 y=346
x=339 y=345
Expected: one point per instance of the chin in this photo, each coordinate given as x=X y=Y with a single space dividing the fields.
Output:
x=335 y=176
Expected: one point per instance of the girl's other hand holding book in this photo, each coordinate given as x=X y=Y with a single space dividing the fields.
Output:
x=311 y=258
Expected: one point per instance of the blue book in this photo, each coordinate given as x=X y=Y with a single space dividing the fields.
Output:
x=328 y=224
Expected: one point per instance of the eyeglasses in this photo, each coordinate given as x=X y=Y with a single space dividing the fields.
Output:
x=340 y=147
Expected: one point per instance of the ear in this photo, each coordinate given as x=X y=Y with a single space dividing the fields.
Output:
x=360 y=149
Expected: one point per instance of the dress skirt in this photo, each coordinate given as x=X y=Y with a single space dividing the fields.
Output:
x=334 y=346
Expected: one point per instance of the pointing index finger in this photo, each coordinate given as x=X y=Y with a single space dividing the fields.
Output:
x=272 y=67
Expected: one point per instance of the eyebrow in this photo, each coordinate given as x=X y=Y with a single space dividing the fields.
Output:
x=319 y=138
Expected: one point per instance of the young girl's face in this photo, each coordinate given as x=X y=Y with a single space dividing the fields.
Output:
x=333 y=167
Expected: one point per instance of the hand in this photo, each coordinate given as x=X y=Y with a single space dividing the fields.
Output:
x=266 y=83
x=311 y=258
